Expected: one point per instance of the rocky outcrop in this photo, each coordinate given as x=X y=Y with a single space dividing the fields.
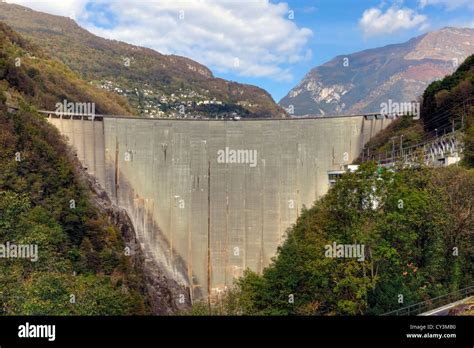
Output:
x=165 y=295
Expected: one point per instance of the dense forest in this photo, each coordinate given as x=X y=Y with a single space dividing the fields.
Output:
x=81 y=267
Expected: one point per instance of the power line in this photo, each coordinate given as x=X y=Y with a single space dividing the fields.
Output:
x=438 y=116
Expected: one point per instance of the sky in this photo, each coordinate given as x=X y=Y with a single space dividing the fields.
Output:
x=268 y=43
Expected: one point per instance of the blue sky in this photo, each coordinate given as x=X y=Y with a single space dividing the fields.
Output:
x=268 y=43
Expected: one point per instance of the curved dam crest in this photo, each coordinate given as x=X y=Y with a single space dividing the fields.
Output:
x=209 y=199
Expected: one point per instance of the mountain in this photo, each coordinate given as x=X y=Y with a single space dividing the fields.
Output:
x=155 y=84
x=26 y=70
x=360 y=82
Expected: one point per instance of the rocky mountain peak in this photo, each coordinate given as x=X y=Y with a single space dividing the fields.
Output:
x=360 y=82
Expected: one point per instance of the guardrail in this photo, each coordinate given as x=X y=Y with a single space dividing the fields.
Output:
x=449 y=143
x=367 y=116
x=433 y=303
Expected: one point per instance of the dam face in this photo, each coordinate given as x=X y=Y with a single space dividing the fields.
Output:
x=209 y=199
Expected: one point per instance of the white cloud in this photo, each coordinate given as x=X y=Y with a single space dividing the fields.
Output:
x=67 y=8
x=254 y=38
x=449 y=4
x=375 y=22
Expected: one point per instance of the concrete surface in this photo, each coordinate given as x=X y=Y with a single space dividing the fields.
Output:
x=205 y=221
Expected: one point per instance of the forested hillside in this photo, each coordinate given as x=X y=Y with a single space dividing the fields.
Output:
x=43 y=82
x=449 y=99
x=81 y=267
x=449 y=103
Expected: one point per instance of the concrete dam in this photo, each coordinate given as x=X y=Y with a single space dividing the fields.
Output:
x=209 y=198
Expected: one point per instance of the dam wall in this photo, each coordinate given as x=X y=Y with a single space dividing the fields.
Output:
x=205 y=216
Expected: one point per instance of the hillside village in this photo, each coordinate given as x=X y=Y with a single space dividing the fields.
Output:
x=156 y=104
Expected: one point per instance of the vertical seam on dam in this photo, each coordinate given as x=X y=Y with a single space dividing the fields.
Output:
x=209 y=267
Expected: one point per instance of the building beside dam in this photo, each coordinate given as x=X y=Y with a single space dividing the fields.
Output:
x=208 y=198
